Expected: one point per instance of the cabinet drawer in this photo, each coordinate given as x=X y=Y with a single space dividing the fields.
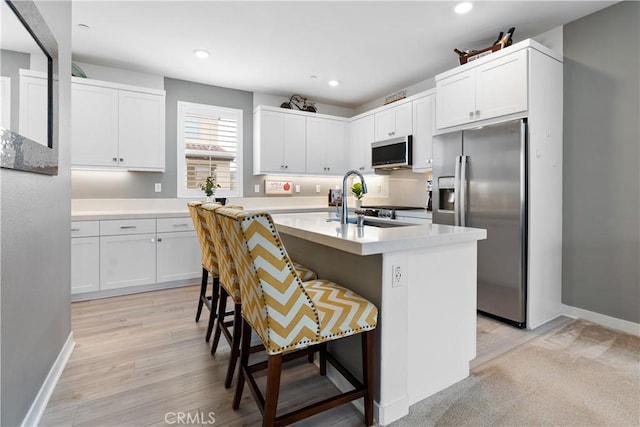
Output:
x=168 y=225
x=85 y=228
x=127 y=226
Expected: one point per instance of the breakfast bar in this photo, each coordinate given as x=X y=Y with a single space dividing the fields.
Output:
x=422 y=277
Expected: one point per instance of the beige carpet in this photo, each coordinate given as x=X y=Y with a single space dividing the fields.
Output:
x=578 y=375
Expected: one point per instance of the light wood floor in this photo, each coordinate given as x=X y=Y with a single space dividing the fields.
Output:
x=141 y=360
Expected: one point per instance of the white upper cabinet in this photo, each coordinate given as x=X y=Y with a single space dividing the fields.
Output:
x=94 y=130
x=424 y=115
x=492 y=89
x=361 y=135
x=117 y=127
x=326 y=143
x=33 y=113
x=394 y=122
x=279 y=142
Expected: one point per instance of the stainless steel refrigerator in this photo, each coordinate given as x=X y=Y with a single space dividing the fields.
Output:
x=480 y=180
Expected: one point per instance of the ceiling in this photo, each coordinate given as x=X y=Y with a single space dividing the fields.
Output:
x=373 y=48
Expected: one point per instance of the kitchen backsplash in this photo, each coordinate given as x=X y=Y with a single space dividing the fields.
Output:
x=407 y=188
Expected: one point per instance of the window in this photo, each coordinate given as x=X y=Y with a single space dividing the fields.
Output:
x=209 y=143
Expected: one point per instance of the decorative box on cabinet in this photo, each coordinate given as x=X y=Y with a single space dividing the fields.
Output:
x=326 y=153
x=361 y=135
x=117 y=126
x=491 y=87
x=177 y=250
x=424 y=116
x=85 y=256
x=394 y=122
x=279 y=142
x=127 y=253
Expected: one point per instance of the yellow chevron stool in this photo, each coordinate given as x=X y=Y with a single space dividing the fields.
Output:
x=230 y=287
x=209 y=266
x=293 y=318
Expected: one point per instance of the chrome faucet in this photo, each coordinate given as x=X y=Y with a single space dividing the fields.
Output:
x=344 y=217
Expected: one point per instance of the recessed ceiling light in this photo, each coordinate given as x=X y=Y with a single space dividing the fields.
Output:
x=333 y=83
x=201 y=53
x=462 y=8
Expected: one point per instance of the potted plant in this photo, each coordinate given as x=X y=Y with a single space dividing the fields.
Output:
x=356 y=189
x=209 y=187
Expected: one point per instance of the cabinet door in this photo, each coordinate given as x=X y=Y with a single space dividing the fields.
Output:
x=294 y=143
x=177 y=256
x=423 y=126
x=141 y=131
x=335 y=147
x=361 y=135
x=456 y=99
x=127 y=260
x=33 y=113
x=85 y=264
x=501 y=86
x=402 y=119
x=316 y=145
x=94 y=126
x=384 y=125
x=269 y=141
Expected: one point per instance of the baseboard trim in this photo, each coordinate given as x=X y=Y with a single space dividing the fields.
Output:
x=602 y=319
x=42 y=398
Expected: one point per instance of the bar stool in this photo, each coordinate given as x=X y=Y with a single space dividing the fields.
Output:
x=209 y=266
x=229 y=287
x=292 y=318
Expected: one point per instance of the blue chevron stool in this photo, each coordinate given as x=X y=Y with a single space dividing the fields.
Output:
x=292 y=317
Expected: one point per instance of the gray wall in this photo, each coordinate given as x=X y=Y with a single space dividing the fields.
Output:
x=601 y=255
x=35 y=255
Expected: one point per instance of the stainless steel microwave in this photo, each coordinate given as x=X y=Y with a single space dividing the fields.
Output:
x=395 y=153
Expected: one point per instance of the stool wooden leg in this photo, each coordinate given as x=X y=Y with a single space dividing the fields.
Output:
x=203 y=292
x=214 y=301
x=368 y=349
x=273 y=389
x=222 y=308
x=322 y=356
x=235 y=344
x=245 y=349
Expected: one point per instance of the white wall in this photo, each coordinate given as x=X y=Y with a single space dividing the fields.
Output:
x=276 y=100
x=117 y=75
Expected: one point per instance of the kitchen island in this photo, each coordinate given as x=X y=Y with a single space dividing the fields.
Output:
x=423 y=280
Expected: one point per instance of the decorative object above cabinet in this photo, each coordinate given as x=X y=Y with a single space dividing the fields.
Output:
x=116 y=126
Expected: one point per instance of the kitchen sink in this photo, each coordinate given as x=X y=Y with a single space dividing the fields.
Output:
x=375 y=223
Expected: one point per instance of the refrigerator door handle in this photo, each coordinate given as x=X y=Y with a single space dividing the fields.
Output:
x=463 y=191
x=456 y=192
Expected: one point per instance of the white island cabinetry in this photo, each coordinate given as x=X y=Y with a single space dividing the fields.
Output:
x=117 y=126
x=427 y=313
x=177 y=250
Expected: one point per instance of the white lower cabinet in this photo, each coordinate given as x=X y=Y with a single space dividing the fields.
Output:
x=127 y=260
x=85 y=264
x=177 y=250
x=125 y=253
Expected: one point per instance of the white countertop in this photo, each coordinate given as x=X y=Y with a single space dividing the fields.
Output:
x=370 y=240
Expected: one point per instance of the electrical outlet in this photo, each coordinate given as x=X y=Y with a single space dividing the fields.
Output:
x=158 y=187
x=317 y=188
x=297 y=188
x=256 y=188
x=397 y=276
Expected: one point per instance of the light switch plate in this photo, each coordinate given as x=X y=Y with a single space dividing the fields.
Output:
x=158 y=187
x=256 y=188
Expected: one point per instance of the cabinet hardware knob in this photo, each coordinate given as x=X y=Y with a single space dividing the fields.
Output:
x=477 y=112
x=429 y=161
x=115 y=159
x=121 y=159
x=470 y=114
x=75 y=229
x=123 y=227
x=180 y=225
x=286 y=167
x=159 y=239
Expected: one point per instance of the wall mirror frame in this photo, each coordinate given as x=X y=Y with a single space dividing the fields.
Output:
x=18 y=151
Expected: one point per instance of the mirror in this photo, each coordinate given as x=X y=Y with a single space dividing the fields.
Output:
x=28 y=90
